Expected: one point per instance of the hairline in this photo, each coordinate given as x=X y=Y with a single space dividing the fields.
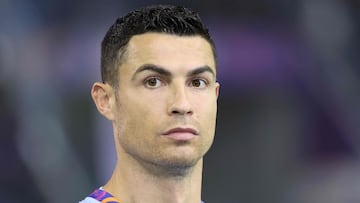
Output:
x=123 y=51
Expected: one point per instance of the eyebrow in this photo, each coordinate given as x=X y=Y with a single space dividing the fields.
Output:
x=162 y=71
x=154 y=68
x=200 y=70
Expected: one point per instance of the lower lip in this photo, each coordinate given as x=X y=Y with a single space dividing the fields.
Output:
x=181 y=136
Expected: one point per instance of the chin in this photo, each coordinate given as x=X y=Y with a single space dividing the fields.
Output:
x=178 y=166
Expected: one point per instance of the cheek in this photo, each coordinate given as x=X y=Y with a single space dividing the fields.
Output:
x=132 y=127
x=206 y=106
x=206 y=111
x=138 y=112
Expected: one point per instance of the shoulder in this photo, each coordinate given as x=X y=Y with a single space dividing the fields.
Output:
x=89 y=200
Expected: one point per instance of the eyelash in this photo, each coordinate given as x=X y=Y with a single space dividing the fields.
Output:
x=163 y=82
x=205 y=82
x=146 y=84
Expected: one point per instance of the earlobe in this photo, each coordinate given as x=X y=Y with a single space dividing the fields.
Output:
x=103 y=97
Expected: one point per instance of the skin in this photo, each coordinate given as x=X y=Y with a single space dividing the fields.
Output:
x=165 y=82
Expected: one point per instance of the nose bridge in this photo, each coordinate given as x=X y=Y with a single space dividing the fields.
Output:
x=180 y=103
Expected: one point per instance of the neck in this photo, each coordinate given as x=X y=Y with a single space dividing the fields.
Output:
x=133 y=183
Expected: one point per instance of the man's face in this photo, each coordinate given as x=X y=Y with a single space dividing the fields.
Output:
x=167 y=100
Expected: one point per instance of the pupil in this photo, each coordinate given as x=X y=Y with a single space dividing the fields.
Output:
x=196 y=83
x=152 y=82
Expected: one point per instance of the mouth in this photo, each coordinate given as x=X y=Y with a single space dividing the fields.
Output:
x=181 y=134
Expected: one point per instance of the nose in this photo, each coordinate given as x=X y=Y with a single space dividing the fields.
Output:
x=179 y=103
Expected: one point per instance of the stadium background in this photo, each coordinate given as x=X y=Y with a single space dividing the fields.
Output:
x=289 y=109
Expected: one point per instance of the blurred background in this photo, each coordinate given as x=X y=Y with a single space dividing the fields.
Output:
x=289 y=109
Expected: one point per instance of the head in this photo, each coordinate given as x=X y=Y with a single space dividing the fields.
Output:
x=174 y=20
x=159 y=88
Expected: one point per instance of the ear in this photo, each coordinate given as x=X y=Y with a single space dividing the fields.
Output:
x=104 y=99
x=217 y=89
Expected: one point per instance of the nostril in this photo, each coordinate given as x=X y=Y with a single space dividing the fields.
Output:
x=181 y=112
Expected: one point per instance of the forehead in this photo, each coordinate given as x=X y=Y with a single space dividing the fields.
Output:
x=171 y=51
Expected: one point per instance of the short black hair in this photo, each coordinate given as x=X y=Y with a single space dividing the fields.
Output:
x=169 y=19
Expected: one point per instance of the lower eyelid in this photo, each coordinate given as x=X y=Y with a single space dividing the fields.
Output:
x=160 y=80
x=206 y=83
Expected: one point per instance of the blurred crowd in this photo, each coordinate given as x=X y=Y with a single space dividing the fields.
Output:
x=288 y=127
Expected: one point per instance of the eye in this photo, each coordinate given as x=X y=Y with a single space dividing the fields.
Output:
x=153 y=82
x=198 y=83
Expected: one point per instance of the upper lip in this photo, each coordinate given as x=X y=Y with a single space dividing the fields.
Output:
x=181 y=130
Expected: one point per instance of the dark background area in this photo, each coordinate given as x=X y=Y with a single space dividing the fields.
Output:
x=289 y=108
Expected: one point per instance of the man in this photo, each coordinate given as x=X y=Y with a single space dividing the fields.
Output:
x=160 y=92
